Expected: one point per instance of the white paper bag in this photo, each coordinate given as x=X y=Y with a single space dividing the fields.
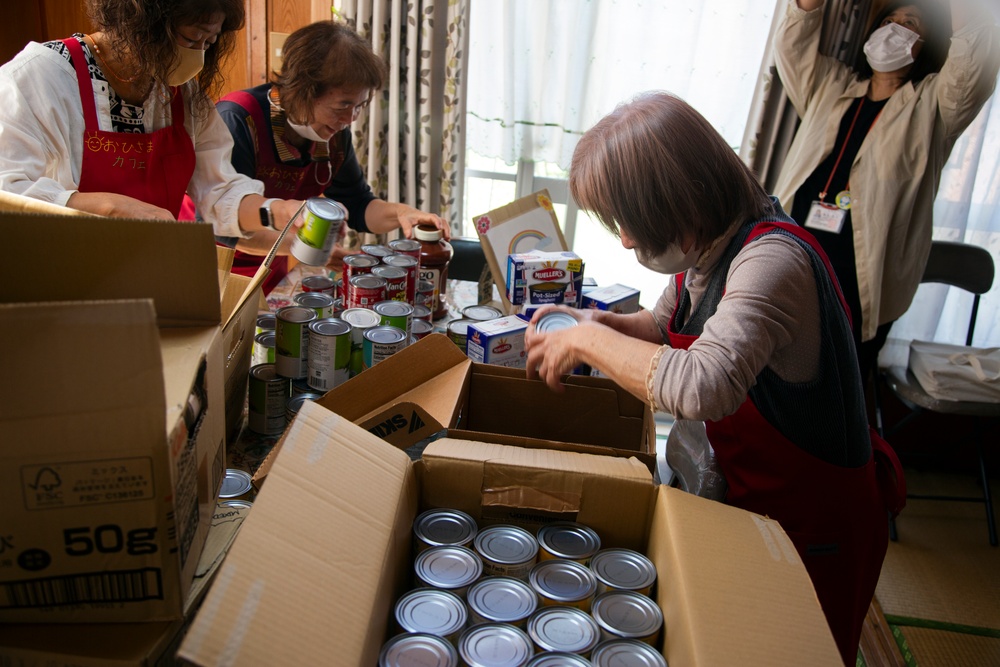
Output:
x=956 y=372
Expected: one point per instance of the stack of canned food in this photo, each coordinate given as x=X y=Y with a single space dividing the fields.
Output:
x=501 y=595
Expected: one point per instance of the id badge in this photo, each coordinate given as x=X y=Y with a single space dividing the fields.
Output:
x=826 y=217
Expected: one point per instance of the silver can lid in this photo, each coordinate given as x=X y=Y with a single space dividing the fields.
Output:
x=403 y=245
x=445 y=527
x=418 y=327
x=376 y=249
x=235 y=483
x=481 y=313
x=558 y=659
x=623 y=569
x=562 y=580
x=431 y=611
x=266 y=373
x=294 y=404
x=411 y=650
x=626 y=653
x=459 y=327
x=554 y=321
x=265 y=321
x=627 y=614
x=502 y=599
x=495 y=645
x=360 y=261
x=385 y=334
x=234 y=503
x=360 y=318
x=405 y=261
x=330 y=326
x=420 y=311
x=393 y=308
x=389 y=272
x=367 y=281
x=564 y=629
x=299 y=314
x=313 y=299
x=448 y=567
x=506 y=544
x=568 y=539
x=326 y=208
x=266 y=338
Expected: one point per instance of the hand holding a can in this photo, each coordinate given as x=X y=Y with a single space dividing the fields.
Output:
x=283 y=212
x=553 y=342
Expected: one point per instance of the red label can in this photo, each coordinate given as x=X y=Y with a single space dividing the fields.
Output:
x=409 y=247
x=355 y=265
x=395 y=281
x=412 y=267
x=320 y=283
x=366 y=290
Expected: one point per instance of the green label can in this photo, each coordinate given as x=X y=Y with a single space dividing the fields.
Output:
x=291 y=352
x=329 y=353
x=320 y=230
x=395 y=313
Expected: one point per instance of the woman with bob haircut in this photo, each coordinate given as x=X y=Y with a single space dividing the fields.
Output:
x=119 y=122
x=294 y=135
x=863 y=170
x=753 y=338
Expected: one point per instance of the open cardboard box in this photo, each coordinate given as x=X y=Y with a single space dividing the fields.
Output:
x=431 y=385
x=326 y=552
x=109 y=469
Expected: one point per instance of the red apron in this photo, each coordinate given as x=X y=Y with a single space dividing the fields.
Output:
x=835 y=516
x=280 y=180
x=155 y=168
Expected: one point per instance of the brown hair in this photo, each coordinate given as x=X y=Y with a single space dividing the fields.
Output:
x=931 y=58
x=145 y=33
x=320 y=57
x=657 y=169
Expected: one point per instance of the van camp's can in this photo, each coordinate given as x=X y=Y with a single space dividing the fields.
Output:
x=360 y=319
x=413 y=650
x=380 y=343
x=558 y=659
x=481 y=313
x=236 y=485
x=263 y=348
x=295 y=404
x=495 y=645
x=555 y=320
x=568 y=540
x=291 y=349
x=365 y=291
x=314 y=240
x=409 y=247
x=395 y=281
x=354 y=265
x=268 y=394
x=420 y=328
x=265 y=322
x=507 y=551
x=376 y=250
x=501 y=600
x=458 y=332
x=422 y=312
x=452 y=569
x=623 y=570
x=329 y=353
x=321 y=283
x=626 y=653
x=628 y=615
x=564 y=583
x=432 y=611
x=321 y=302
x=425 y=293
x=412 y=267
x=443 y=527
x=564 y=629
x=395 y=313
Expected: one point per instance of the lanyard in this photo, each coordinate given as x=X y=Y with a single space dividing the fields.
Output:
x=843 y=147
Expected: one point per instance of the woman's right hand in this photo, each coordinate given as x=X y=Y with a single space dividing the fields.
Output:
x=114 y=205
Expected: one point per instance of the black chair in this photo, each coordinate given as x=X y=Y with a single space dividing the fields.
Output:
x=468 y=261
x=970 y=268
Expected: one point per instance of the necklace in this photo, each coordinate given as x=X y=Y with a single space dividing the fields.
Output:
x=106 y=66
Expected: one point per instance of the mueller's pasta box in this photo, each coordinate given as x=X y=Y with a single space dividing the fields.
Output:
x=615 y=298
x=539 y=278
x=499 y=342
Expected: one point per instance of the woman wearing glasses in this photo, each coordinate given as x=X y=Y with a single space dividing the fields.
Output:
x=294 y=135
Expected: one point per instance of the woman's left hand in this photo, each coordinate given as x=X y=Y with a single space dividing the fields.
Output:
x=553 y=355
x=411 y=217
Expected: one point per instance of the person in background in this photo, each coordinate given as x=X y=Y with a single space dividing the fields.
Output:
x=119 y=122
x=294 y=135
x=753 y=337
x=863 y=169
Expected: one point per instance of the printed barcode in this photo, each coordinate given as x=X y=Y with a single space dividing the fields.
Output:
x=121 y=586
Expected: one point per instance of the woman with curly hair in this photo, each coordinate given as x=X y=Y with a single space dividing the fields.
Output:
x=119 y=123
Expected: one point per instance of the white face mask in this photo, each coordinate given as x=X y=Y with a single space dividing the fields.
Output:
x=673 y=260
x=890 y=48
x=306 y=132
x=188 y=63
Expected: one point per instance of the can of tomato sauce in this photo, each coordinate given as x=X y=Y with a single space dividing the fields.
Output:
x=365 y=291
x=315 y=239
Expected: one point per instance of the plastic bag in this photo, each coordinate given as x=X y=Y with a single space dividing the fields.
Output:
x=691 y=457
x=956 y=372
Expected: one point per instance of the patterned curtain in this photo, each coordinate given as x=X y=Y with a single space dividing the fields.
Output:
x=414 y=131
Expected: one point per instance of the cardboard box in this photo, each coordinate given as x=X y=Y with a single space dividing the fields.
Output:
x=499 y=342
x=115 y=427
x=325 y=554
x=614 y=298
x=238 y=332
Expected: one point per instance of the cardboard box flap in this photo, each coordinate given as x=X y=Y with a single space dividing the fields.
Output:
x=102 y=258
x=88 y=400
x=711 y=550
x=274 y=601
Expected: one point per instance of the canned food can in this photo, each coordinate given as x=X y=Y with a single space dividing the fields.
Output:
x=360 y=319
x=495 y=645
x=329 y=353
x=265 y=322
x=380 y=343
x=412 y=267
x=420 y=328
x=481 y=313
x=567 y=540
x=338 y=307
x=324 y=284
x=315 y=239
x=507 y=551
x=422 y=312
x=458 y=332
x=408 y=650
x=268 y=394
x=563 y=582
x=365 y=291
x=623 y=570
x=501 y=600
x=555 y=320
x=425 y=293
x=295 y=404
x=626 y=653
x=452 y=569
x=236 y=485
x=395 y=313
x=432 y=611
x=628 y=615
x=558 y=659
x=301 y=386
x=291 y=348
x=395 y=281
x=376 y=250
x=443 y=527
x=263 y=348
x=231 y=505
x=564 y=629
x=320 y=302
x=409 y=247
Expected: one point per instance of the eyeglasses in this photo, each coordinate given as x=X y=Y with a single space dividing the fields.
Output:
x=353 y=109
